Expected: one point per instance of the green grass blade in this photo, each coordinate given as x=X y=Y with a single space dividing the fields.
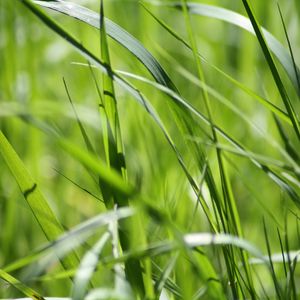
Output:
x=27 y=291
x=269 y=105
x=48 y=254
x=117 y=33
x=182 y=102
x=108 y=175
x=241 y=21
x=290 y=47
x=273 y=68
x=34 y=197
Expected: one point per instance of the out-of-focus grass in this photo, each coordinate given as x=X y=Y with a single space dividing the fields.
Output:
x=34 y=62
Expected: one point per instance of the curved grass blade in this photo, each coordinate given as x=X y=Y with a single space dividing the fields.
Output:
x=241 y=21
x=27 y=291
x=117 y=33
x=191 y=241
x=69 y=240
x=34 y=197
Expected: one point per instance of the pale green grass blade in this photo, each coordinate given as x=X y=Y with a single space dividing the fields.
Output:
x=27 y=291
x=115 y=32
x=192 y=241
x=34 y=197
x=87 y=267
x=241 y=21
x=48 y=254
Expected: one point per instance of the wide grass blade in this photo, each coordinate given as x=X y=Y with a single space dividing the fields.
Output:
x=34 y=197
x=27 y=291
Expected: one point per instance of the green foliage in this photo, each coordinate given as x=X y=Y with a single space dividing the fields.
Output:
x=147 y=169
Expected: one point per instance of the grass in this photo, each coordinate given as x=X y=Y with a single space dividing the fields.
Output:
x=149 y=150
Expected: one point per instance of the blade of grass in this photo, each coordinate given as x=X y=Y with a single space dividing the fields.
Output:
x=47 y=255
x=290 y=47
x=34 y=197
x=114 y=150
x=241 y=21
x=27 y=291
x=115 y=32
x=87 y=267
x=273 y=68
x=276 y=110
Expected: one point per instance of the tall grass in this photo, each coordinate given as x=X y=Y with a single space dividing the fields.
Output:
x=155 y=145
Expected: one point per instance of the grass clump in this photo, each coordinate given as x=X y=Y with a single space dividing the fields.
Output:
x=166 y=169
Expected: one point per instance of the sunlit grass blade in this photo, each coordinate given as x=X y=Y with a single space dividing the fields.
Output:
x=115 y=156
x=34 y=197
x=192 y=241
x=24 y=289
x=241 y=21
x=117 y=33
x=273 y=68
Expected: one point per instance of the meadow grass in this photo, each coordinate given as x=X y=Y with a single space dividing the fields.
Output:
x=149 y=150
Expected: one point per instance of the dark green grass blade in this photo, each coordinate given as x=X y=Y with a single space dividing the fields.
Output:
x=115 y=32
x=273 y=68
x=34 y=197
x=239 y=20
x=27 y=291
x=290 y=48
x=272 y=270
